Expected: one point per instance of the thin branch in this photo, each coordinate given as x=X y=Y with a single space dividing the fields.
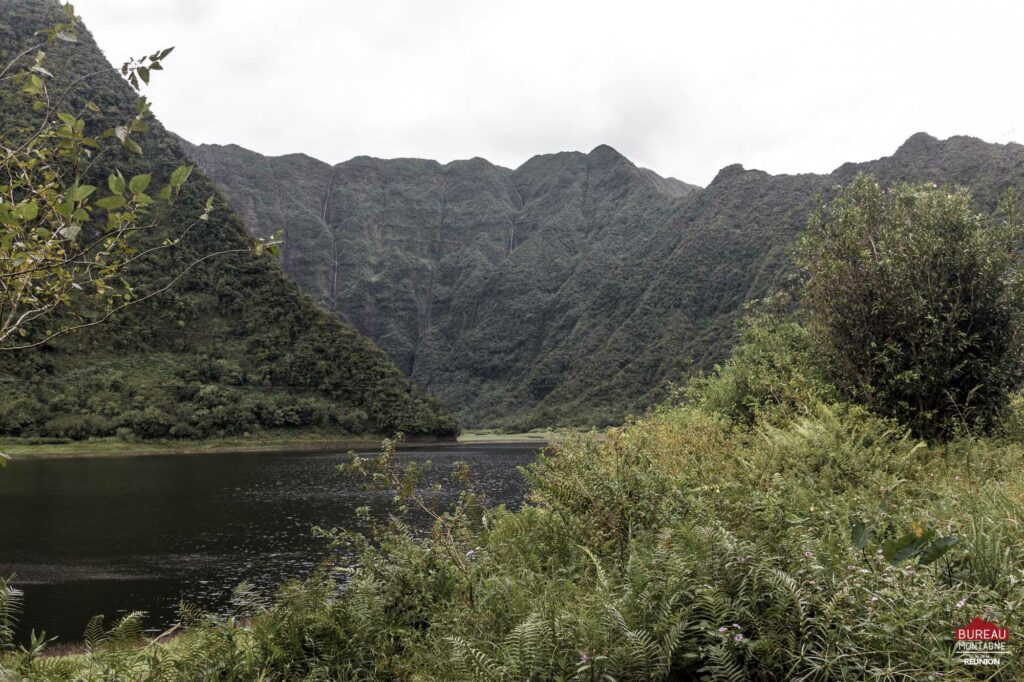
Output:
x=128 y=304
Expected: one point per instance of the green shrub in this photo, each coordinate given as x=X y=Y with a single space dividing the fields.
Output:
x=78 y=426
x=772 y=374
x=149 y=422
x=20 y=415
x=914 y=301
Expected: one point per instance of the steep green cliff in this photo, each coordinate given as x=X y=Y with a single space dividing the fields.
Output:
x=471 y=276
x=235 y=347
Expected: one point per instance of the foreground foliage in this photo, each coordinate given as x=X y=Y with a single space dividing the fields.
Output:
x=818 y=543
x=66 y=243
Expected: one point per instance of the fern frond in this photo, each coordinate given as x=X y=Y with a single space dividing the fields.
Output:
x=473 y=660
x=95 y=635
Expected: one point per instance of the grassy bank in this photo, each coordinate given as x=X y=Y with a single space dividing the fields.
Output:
x=539 y=436
x=299 y=441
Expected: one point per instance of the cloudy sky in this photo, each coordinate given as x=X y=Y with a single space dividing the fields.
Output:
x=683 y=88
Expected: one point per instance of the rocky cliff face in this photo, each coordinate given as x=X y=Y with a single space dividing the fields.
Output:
x=572 y=289
x=471 y=276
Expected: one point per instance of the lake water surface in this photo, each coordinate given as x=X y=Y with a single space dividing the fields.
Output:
x=112 y=535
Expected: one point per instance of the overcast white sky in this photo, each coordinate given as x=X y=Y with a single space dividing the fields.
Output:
x=683 y=88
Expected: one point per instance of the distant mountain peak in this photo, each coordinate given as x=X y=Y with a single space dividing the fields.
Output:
x=730 y=171
x=607 y=152
x=916 y=142
x=510 y=294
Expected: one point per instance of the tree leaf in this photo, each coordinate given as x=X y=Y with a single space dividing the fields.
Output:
x=180 y=175
x=81 y=192
x=111 y=202
x=132 y=146
x=139 y=183
x=70 y=231
x=27 y=211
x=116 y=183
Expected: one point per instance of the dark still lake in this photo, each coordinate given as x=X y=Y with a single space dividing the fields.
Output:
x=112 y=535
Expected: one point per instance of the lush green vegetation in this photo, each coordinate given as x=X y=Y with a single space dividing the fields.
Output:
x=684 y=543
x=781 y=520
x=233 y=347
x=915 y=303
x=762 y=528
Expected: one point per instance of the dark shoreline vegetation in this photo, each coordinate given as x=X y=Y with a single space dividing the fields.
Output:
x=279 y=440
x=302 y=441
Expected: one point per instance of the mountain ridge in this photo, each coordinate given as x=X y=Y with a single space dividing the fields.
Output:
x=577 y=287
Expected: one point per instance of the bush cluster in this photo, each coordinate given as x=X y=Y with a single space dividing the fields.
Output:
x=914 y=302
x=209 y=397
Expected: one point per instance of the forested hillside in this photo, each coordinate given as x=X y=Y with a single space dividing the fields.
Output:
x=573 y=289
x=234 y=347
